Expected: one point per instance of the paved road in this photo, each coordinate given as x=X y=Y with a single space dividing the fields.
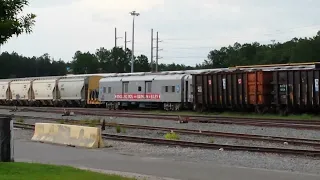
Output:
x=45 y=153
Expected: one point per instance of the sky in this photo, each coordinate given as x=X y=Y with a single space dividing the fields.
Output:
x=188 y=29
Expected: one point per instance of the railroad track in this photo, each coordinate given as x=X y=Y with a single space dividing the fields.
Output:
x=157 y=141
x=274 y=139
x=280 y=123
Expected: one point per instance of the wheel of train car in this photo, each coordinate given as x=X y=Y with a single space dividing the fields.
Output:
x=83 y=104
x=177 y=107
x=36 y=103
x=63 y=104
x=261 y=110
x=284 y=112
x=115 y=106
x=194 y=107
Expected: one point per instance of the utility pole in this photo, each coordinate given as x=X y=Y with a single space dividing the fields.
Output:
x=125 y=41
x=115 y=44
x=116 y=37
x=157 y=52
x=151 y=50
x=134 y=14
x=125 y=47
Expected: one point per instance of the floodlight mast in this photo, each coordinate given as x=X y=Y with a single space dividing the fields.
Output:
x=133 y=14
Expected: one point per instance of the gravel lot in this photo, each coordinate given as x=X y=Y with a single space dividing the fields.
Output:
x=244 y=159
x=284 y=132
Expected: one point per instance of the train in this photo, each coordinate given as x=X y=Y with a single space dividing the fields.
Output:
x=65 y=91
x=282 y=88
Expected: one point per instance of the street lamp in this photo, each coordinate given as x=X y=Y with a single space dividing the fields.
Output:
x=133 y=13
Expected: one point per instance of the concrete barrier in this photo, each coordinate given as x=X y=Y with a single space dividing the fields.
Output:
x=79 y=136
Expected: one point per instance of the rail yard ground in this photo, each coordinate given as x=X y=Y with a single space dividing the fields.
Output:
x=315 y=117
x=238 y=158
x=162 y=161
x=239 y=114
x=19 y=170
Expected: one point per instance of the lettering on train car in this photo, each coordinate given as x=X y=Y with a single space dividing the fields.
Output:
x=224 y=85
x=137 y=96
x=283 y=88
x=199 y=89
x=178 y=88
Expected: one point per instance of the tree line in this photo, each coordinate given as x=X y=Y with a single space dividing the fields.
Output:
x=117 y=60
x=297 y=50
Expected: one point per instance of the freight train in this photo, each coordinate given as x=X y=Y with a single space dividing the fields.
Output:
x=263 y=88
x=284 y=89
x=67 y=91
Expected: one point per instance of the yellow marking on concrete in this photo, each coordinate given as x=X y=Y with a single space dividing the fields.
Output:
x=80 y=136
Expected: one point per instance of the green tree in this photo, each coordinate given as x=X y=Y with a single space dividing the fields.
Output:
x=141 y=64
x=10 y=23
x=293 y=51
x=85 y=63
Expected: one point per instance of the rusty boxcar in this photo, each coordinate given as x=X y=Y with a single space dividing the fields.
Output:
x=234 y=90
x=296 y=90
x=219 y=90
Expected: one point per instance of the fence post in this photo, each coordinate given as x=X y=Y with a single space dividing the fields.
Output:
x=6 y=139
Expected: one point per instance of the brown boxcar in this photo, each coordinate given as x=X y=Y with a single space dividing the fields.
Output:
x=296 y=90
x=220 y=90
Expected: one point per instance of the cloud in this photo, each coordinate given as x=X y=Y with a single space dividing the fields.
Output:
x=188 y=28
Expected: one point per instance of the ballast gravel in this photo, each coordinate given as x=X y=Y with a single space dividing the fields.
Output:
x=202 y=139
x=231 y=158
x=266 y=131
x=190 y=137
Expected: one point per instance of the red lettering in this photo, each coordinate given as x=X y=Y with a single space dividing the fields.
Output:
x=137 y=96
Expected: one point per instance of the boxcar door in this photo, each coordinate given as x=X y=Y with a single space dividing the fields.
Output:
x=125 y=87
x=148 y=89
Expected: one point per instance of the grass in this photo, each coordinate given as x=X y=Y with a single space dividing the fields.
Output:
x=61 y=121
x=118 y=129
x=90 y=122
x=20 y=120
x=33 y=171
x=239 y=114
x=211 y=140
x=124 y=130
x=171 y=136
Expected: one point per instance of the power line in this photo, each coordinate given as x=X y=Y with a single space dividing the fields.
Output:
x=264 y=34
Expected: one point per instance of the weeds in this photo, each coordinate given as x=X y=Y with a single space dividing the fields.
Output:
x=118 y=129
x=124 y=130
x=20 y=120
x=61 y=121
x=89 y=122
x=211 y=140
x=172 y=136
